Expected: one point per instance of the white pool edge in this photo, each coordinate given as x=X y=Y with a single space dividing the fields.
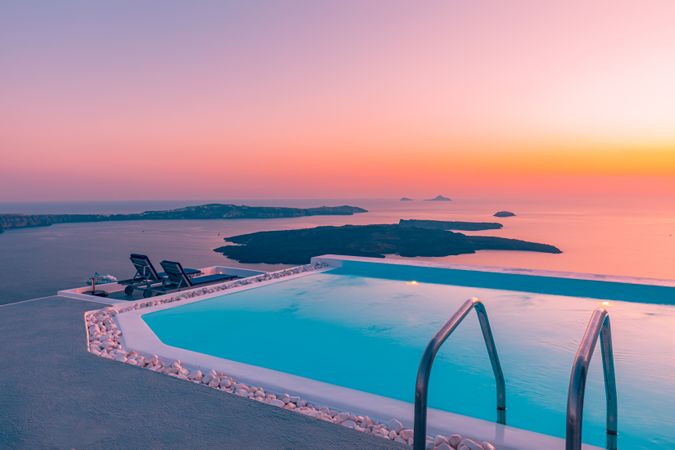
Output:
x=337 y=260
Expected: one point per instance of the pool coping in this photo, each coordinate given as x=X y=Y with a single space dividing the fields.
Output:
x=336 y=261
x=137 y=336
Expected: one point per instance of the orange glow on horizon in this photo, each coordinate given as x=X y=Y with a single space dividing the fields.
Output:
x=329 y=100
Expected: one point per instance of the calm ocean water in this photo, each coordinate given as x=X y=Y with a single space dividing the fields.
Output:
x=607 y=236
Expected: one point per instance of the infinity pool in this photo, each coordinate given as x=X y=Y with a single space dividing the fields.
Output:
x=364 y=326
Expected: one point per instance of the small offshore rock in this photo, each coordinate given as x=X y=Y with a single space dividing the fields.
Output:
x=504 y=214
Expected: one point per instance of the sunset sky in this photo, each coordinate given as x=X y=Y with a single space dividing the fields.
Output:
x=272 y=99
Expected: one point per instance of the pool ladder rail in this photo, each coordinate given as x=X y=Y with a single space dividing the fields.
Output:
x=598 y=327
x=424 y=371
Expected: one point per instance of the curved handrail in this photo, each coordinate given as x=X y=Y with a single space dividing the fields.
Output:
x=598 y=326
x=424 y=371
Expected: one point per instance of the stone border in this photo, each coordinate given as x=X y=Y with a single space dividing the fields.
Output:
x=104 y=339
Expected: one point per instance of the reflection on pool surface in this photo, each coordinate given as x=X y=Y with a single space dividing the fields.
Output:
x=353 y=328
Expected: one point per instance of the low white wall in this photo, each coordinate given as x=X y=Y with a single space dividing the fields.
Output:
x=111 y=288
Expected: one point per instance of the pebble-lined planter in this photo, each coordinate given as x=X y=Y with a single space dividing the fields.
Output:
x=104 y=340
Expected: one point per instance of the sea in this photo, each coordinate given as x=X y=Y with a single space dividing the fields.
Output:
x=601 y=235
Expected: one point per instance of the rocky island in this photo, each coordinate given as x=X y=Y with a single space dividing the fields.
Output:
x=298 y=246
x=199 y=212
x=504 y=214
x=405 y=199
x=439 y=198
x=449 y=225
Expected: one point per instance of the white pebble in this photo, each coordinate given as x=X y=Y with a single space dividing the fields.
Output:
x=469 y=444
x=197 y=375
x=341 y=417
x=348 y=423
x=454 y=440
x=395 y=424
x=406 y=433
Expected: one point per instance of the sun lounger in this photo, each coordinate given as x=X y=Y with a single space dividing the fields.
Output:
x=177 y=278
x=146 y=275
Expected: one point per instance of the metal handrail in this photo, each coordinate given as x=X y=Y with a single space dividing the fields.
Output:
x=424 y=371
x=598 y=326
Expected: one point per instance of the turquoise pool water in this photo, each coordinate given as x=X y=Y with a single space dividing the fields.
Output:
x=364 y=326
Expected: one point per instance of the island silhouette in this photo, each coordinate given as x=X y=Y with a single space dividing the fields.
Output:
x=198 y=212
x=299 y=246
x=439 y=198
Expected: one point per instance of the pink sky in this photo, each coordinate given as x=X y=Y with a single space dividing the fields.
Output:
x=335 y=99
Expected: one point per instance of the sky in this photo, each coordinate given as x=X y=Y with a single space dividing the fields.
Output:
x=279 y=99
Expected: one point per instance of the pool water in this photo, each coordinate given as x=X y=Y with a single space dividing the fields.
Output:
x=355 y=327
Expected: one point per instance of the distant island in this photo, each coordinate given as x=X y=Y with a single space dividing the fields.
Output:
x=199 y=212
x=406 y=199
x=298 y=246
x=504 y=214
x=448 y=225
x=439 y=198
